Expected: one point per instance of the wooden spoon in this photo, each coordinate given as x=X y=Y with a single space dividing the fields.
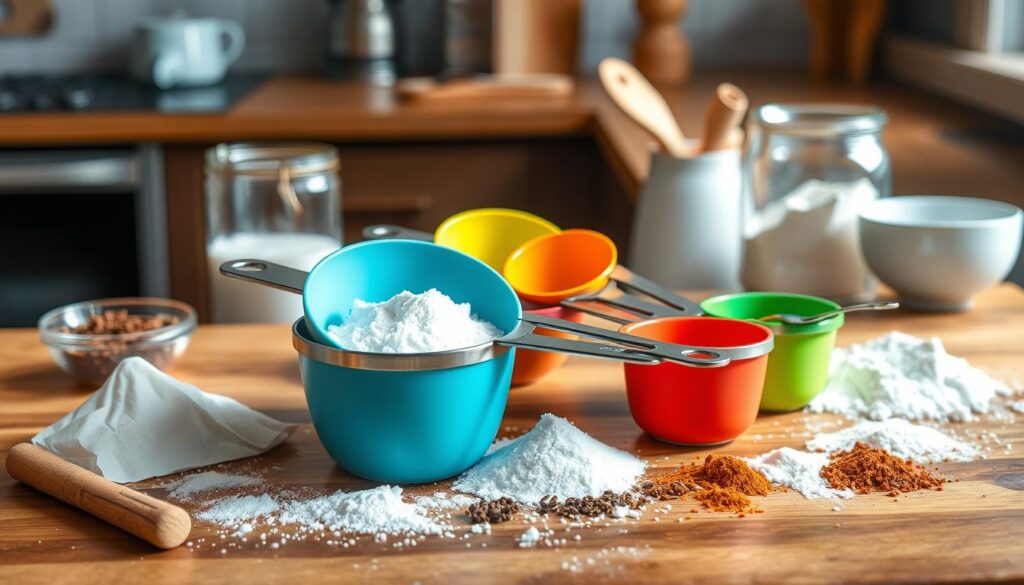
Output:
x=723 y=118
x=631 y=91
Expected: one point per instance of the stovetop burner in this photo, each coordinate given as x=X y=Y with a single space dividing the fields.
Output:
x=39 y=93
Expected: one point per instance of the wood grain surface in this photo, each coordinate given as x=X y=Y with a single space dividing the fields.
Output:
x=970 y=531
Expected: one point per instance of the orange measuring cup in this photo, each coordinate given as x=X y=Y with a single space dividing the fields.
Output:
x=550 y=268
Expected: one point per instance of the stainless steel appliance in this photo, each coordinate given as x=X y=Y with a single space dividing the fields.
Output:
x=106 y=92
x=79 y=224
x=361 y=41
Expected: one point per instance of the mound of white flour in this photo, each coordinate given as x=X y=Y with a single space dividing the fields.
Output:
x=798 y=470
x=898 y=375
x=412 y=323
x=553 y=458
x=899 y=437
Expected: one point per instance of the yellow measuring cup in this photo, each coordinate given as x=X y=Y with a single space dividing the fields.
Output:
x=489 y=234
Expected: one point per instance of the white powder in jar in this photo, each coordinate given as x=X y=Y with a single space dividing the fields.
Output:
x=412 y=323
x=554 y=458
x=899 y=437
x=808 y=241
x=899 y=375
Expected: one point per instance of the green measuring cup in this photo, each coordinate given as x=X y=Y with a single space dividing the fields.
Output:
x=798 y=366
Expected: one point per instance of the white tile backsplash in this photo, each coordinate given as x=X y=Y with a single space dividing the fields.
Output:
x=288 y=35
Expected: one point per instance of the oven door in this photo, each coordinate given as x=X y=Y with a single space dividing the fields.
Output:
x=77 y=225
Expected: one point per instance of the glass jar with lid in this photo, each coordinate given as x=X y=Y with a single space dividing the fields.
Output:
x=274 y=201
x=810 y=170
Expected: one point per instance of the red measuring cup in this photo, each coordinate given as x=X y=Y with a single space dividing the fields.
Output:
x=699 y=406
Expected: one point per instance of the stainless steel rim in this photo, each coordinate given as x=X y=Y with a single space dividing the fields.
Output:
x=397 y=362
x=736 y=352
x=821 y=119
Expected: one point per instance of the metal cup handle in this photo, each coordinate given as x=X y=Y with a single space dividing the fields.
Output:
x=630 y=281
x=635 y=306
x=266 y=273
x=701 y=357
x=394 y=232
x=523 y=337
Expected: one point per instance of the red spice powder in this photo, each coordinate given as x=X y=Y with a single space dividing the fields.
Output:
x=864 y=469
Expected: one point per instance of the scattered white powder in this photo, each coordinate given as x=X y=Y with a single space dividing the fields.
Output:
x=185 y=488
x=374 y=511
x=556 y=458
x=444 y=501
x=236 y=510
x=898 y=375
x=529 y=538
x=899 y=437
x=798 y=470
x=412 y=323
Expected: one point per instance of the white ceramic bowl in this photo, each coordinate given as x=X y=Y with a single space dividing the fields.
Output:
x=937 y=252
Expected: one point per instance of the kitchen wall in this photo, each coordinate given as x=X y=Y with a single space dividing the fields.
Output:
x=288 y=34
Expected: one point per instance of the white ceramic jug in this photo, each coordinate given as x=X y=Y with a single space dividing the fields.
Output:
x=686 y=231
x=177 y=51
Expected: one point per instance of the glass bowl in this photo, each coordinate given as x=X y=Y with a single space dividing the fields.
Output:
x=90 y=358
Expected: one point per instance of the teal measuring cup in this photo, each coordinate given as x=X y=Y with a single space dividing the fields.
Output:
x=798 y=366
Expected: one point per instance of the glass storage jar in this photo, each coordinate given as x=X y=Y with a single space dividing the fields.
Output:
x=273 y=201
x=810 y=170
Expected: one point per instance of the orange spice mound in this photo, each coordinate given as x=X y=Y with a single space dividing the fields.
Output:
x=724 y=499
x=864 y=469
x=723 y=471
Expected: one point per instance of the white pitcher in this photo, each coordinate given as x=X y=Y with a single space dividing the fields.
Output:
x=178 y=51
x=687 y=226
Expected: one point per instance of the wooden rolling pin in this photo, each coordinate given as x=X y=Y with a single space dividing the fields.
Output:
x=162 y=524
x=722 y=121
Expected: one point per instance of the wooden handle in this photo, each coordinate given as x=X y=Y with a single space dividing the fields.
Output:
x=162 y=524
x=635 y=96
x=536 y=85
x=723 y=118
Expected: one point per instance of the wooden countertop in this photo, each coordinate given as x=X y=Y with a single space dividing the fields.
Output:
x=967 y=532
x=936 y=146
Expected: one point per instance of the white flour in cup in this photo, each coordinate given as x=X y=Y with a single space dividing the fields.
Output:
x=412 y=323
